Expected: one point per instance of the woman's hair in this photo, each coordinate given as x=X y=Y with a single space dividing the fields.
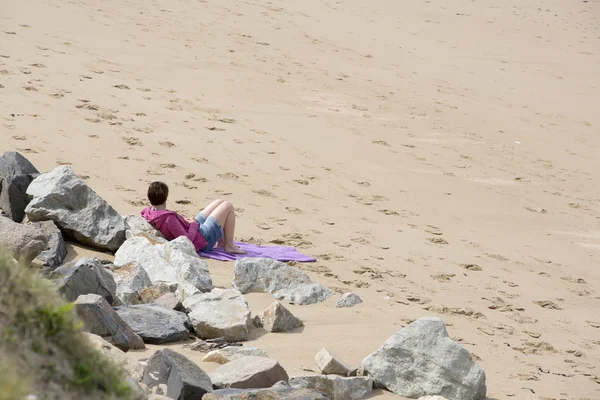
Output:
x=158 y=193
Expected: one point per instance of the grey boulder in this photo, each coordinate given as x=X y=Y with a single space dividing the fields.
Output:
x=155 y=324
x=348 y=300
x=76 y=208
x=279 y=391
x=16 y=173
x=55 y=251
x=174 y=262
x=227 y=354
x=248 y=372
x=277 y=318
x=137 y=225
x=263 y=275
x=220 y=313
x=132 y=280
x=336 y=387
x=330 y=364
x=184 y=379
x=422 y=360
x=85 y=276
x=100 y=319
x=25 y=242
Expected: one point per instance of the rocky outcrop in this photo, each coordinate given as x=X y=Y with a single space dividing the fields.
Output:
x=76 y=208
x=220 y=313
x=155 y=324
x=263 y=275
x=184 y=379
x=25 y=242
x=248 y=372
x=86 y=276
x=100 y=319
x=422 y=360
x=132 y=280
x=55 y=251
x=277 y=318
x=336 y=387
x=171 y=262
x=16 y=173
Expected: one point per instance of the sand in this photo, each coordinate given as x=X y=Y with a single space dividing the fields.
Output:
x=437 y=159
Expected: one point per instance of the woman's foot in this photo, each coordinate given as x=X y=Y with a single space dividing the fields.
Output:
x=220 y=244
x=234 y=250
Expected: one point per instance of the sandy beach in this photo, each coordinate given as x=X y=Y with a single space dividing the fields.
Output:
x=436 y=159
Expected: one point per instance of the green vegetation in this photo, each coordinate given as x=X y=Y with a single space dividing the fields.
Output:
x=42 y=349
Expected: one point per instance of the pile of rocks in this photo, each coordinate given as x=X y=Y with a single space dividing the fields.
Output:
x=158 y=292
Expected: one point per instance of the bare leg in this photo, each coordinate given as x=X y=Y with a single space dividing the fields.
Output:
x=211 y=207
x=225 y=214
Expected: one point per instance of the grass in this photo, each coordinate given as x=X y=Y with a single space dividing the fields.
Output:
x=42 y=348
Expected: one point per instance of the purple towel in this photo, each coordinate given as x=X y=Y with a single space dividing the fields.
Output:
x=280 y=253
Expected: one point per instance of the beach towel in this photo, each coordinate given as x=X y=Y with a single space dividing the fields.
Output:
x=280 y=253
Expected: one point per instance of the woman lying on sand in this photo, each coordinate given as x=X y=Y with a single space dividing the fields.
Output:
x=212 y=227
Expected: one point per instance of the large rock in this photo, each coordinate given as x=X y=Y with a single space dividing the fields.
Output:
x=155 y=324
x=184 y=379
x=277 y=318
x=100 y=319
x=220 y=313
x=279 y=391
x=330 y=364
x=80 y=212
x=169 y=300
x=16 y=173
x=113 y=353
x=137 y=225
x=85 y=276
x=132 y=280
x=25 y=242
x=56 y=251
x=422 y=360
x=248 y=372
x=227 y=354
x=263 y=275
x=348 y=300
x=336 y=387
x=172 y=262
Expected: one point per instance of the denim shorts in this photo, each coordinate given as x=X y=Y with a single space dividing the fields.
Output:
x=211 y=230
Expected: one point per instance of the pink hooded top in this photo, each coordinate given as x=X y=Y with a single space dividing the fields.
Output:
x=173 y=225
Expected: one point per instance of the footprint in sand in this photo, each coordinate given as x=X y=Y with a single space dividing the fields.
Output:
x=471 y=267
x=535 y=348
x=132 y=141
x=548 y=305
x=388 y=212
x=381 y=142
x=301 y=181
x=443 y=277
x=168 y=166
x=122 y=87
x=437 y=240
x=203 y=160
x=294 y=210
x=167 y=144
x=573 y=280
x=467 y=312
x=357 y=284
x=228 y=175
x=263 y=192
